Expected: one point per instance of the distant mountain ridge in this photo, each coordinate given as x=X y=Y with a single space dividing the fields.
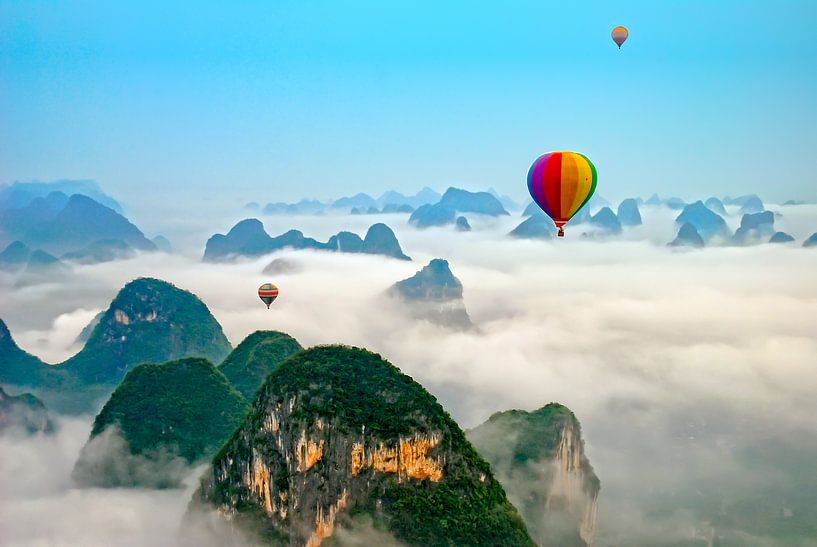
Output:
x=453 y=202
x=434 y=294
x=20 y=194
x=248 y=238
x=74 y=227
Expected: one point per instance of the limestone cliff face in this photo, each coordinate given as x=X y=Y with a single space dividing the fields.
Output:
x=338 y=431
x=572 y=486
x=539 y=458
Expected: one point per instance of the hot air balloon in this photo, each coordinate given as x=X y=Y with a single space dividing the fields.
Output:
x=267 y=293
x=619 y=35
x=561 y=183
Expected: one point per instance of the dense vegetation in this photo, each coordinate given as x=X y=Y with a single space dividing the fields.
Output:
x=521 y=448
x=255 y=358
x=17 y=367
x=187 y=405
x=350 y=388
x=148 y=321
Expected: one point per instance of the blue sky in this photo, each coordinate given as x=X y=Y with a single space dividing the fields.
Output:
x=280 y=100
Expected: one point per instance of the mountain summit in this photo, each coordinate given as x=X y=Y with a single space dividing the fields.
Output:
x=336 y=434
x=539 y=458
x=434 y=294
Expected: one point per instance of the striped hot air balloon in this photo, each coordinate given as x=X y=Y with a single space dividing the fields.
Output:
x=561 y=183
x=267 y=293
x=619 y=35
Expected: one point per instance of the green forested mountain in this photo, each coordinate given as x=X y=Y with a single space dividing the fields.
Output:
x=337 y=433
x=539 y=458
x=18 y=367
x=252 y=360
x=183 y=408
x=149 y=321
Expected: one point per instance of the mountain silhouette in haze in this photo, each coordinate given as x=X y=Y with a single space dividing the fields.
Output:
x=249 y=239
x=453 y=201
x=434 y=294
x=687 y=236
x=707 y=223
x=535 y=227
x=539 y=459
x=23 y=412
x=628 y=213
x=77 y=225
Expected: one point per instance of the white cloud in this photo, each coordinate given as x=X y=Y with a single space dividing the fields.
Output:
x=681 y=366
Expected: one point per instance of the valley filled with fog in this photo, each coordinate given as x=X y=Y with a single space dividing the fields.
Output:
x=690 y=370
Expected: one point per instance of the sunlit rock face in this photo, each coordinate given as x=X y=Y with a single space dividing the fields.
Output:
x=336 y=432
x=539 y=459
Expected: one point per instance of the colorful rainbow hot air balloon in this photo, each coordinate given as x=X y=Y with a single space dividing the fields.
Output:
x=561 y=183
x=267 y=293
x=619 y=35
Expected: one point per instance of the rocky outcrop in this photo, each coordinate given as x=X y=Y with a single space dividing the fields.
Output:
x=380 y=240
x=462 y=224
x=754 y=228
x=716 y=206
x=706 y=223
x=752 y=204
x=427 y=216
x=687 y=236
x=781 y=237
x=337 y=431
x=434 y=294
x=628 y=213
x=539 y=458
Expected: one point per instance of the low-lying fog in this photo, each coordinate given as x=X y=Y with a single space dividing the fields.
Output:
x=692 y=373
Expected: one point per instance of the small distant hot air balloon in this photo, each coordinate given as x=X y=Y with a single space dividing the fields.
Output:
x=267 y=293
x=619 y=35
x=561 y=183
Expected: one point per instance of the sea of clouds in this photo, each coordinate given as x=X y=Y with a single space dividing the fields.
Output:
x=692 y=372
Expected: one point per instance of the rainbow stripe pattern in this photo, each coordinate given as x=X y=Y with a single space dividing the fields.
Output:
x=267 y=293
x=561 y=183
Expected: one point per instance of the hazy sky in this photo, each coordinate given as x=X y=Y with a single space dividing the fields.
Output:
x=279 y=100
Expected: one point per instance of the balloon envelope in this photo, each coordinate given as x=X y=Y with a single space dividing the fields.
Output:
x=619 y=35
x=560 y=183
x=267 y=293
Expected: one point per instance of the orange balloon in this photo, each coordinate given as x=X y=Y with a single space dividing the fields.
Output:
x=619 y=35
